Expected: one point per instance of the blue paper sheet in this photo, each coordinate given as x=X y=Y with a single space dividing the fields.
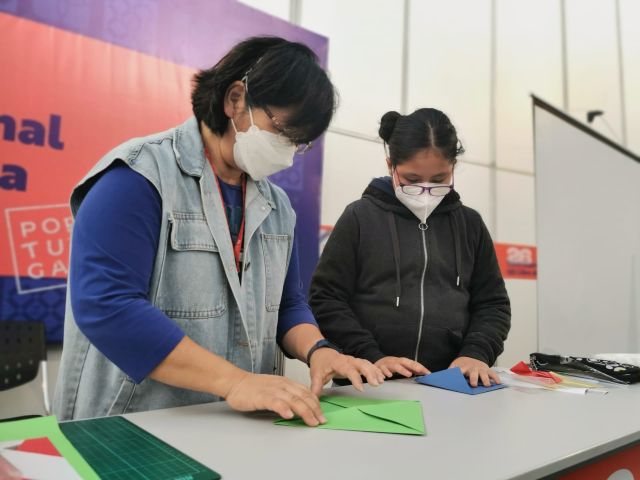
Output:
x=453 y=379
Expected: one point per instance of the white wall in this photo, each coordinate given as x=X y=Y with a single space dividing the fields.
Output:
x=479 y=61
x=350 y=164
x=515 y=202
x=630 y=39
x=592 y=58
x=365 y=37
x=449 y=67
x=528 y=60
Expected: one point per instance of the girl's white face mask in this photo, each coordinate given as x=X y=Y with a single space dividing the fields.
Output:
x=421 y=205
x=260 y=153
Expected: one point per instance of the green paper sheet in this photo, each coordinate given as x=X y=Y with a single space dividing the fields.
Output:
x=47 y=427
x=368 y=415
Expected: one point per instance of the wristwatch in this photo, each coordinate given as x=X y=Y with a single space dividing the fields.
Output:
x=324 y=343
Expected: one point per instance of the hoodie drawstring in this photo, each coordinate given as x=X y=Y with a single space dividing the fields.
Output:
x=396 y=254
x=456 y=242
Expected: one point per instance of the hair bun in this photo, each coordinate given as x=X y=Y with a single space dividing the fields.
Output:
x=387 y=125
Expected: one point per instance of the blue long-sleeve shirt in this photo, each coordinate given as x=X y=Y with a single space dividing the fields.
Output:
x=114 y=245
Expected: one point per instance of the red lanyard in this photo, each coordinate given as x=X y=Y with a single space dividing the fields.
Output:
x=237 y=248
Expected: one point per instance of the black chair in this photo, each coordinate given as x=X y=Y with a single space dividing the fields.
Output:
x=23 y=350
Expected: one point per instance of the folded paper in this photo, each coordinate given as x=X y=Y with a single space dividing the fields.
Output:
x=368 y=415
x=453 y=379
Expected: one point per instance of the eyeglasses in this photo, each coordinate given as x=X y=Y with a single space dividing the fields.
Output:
x=301 y=148
x=438 y=191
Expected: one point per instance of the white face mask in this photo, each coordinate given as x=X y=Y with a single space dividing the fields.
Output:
x=421 y=205
x=260 y=153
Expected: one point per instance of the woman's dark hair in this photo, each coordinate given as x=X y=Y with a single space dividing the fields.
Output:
x=425 y=128
x=279 y=73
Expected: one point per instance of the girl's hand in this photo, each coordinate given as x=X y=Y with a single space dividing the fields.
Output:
x=475 y=369
x=404 y=366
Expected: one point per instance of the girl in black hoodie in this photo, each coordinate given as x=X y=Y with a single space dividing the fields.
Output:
x=409 y=278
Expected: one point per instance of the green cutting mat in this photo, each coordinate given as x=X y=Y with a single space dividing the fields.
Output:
x=117 y=449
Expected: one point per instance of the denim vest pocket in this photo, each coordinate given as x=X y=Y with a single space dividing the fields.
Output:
x=123 y=397
x=192 y=281
x=276 y=255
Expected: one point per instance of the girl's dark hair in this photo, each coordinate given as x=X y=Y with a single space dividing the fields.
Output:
x=425 y=128
x=279 y=73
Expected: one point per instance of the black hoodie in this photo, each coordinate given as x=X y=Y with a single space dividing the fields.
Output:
x=388 y=286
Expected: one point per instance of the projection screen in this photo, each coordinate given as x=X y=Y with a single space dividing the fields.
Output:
x=588 y=238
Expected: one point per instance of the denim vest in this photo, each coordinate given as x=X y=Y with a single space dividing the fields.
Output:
x=194 y=280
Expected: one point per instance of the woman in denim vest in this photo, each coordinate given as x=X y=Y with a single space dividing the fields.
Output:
x=184 y=267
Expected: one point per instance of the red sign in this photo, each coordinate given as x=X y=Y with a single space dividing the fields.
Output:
x=624 y=465
x=517 y=261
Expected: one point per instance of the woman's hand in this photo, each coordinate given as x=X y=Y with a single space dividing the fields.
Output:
x=278 y=394
x=326 y=364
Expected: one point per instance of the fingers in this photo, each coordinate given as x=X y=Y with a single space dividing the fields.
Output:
x=403 y=366
x=369 y=371
x=354 y=377
x=475 y=371
x=484 y=376
x=284 y=397
x=399 y=368
x=317 y=382
x=353 y=368
x=415 y=367
x=300 y=408
x=312 y=402
x=387 y=373
x=327 y=376
x=473 y=377
x=280 y=407
x=303 y=404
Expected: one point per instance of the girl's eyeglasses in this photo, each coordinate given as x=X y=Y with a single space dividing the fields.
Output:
x=439 y=191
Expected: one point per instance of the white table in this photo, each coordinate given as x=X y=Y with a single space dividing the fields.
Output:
x=498 y=435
